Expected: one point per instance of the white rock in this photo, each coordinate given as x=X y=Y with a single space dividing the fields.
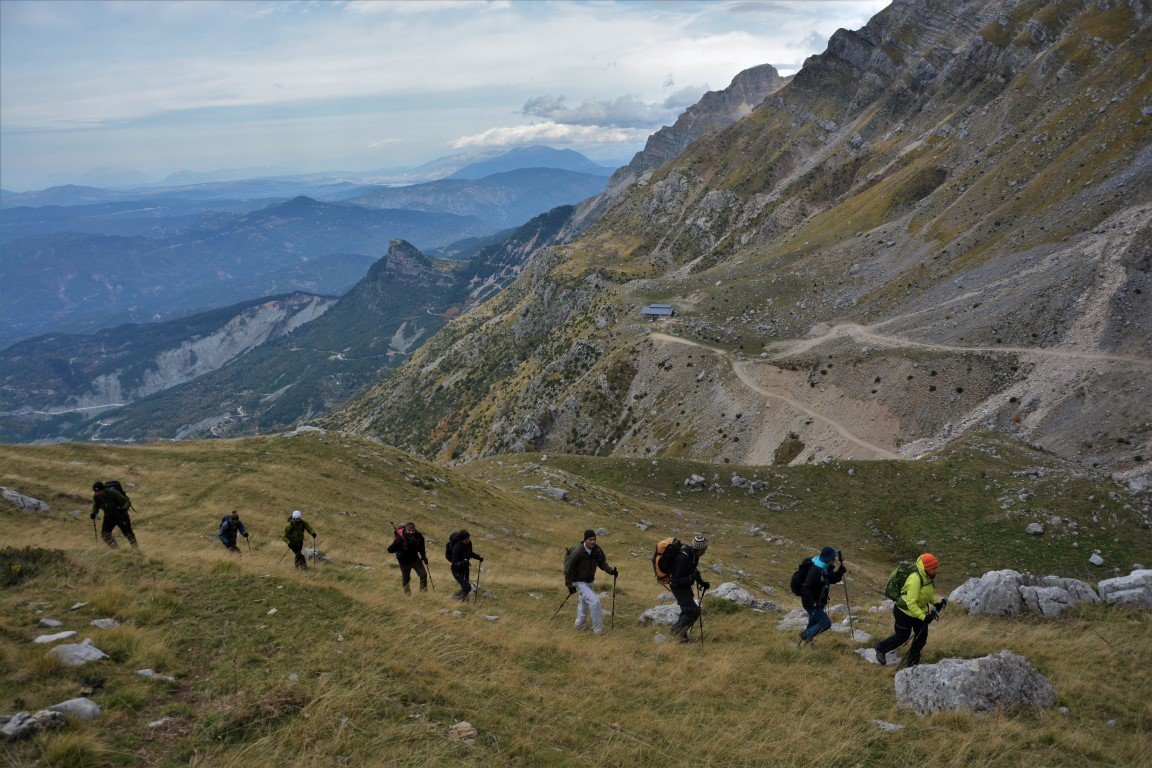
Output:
x=886 y=726
x=1134 y=589
x=492 y=618
x=462 y=731
x=1096 y=559
x=457 y=614
x=26 y=504
x=25 y=724
x=869 y=655
x=1009 y=593
x=78 y=606
x=271 y=612
x=152 y=674
x=978 y=685
x=1034 y=529
x=661 y=614
x=49 y=623
x=159 y=723
x=83 y=708
x=77 y=654
x=858 y=635
x=53 y=638
x=105 y=623
x=796 y=620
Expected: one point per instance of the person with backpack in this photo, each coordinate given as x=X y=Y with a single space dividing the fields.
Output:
x=408 y=546
x=111 y=499
x=580 y=564
x=294 y=537
x=915 y=609
x=818 y=577
x=685 y=571
x=459 y=553
x=230 y=525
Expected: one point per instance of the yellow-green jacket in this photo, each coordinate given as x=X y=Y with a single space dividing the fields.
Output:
x=294 y=531
x=917 y=593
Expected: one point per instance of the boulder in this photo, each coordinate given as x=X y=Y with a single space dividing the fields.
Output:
x=53 y=638
x=559 y=494
x=104 y=623
x=26 y=503
x=1034 y=529
x=25 y=724
x=992 y=682
x=77 y=654
x=50 y=623
x=733 y=592
x=1133 y=589
x=661 y=614
x=1009 y=593
x=83 y=708
x=794 y=621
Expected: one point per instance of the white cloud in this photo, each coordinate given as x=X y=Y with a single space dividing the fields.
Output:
x=381 y=143
x=549 y=133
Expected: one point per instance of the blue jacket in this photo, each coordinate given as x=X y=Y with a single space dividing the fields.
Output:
x=228 y=531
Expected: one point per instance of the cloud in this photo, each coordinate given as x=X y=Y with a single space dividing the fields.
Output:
x=621 y=112
x=381 y=143
x=412 y=7
x=549 y=133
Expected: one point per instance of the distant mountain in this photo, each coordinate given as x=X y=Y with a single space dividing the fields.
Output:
x=531 y=157
x=501 y=199
x=78 y=283
x=184 y=178
x=69 y=194
x=52 y=386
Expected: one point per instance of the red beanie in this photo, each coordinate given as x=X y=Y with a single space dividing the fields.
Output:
x=929 y=561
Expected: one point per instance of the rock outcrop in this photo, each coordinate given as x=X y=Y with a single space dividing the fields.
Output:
x=1009 y=593
x=1134 y=589
x=996 y=681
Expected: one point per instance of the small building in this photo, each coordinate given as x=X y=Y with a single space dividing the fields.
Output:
x=653 y=311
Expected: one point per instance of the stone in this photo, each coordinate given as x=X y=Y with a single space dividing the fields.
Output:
x=1034 y=529
x=886 y=726
x=27 y=504
x=661 y=614
x=992 y=682
x=491 y=618
x=49 y=623
x=794 y=621
x=644 y=525
x=1096 y=559
x=660 y=637
x=462 y=731
x=53 y=638
x=271 y=612
x=77 y=654
x=869 y=655
x=1009 y=593
x=105 y=623
x=315 y=554
x=77 y=606
x=25 y=724
x=857 y=635
x=559 y=494
x=695 y=482
x=457 y=614
x=152 y=674
x=1134 y=589
x=159 y=723
x=83 y=708
x=734 y=593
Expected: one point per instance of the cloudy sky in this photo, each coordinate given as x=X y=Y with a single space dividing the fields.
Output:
x=357 y=85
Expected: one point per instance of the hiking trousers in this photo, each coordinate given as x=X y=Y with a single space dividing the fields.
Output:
x=406 y=575
x=301 y=561
x=588 y=605
x=689 y=611
x=905 y=626
x=818 y=622
x=118 y=520
x=460 y=573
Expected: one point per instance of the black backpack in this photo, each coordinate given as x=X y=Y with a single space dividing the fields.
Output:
x=115 y=485
x=448 y=545
x=801 y=574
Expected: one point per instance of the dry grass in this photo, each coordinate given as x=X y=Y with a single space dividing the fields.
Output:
x=379 y=678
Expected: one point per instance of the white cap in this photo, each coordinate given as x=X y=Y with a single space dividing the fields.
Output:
x=296 y=514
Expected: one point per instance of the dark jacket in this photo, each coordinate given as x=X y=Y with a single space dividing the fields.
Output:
x=462 y=553
x=582 y=565
x=814 y=591
x=111 y=501
x=408 y=549
x=684 y=568
x=228 y=531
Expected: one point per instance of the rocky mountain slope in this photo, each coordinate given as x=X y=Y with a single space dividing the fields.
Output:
x=940 y=225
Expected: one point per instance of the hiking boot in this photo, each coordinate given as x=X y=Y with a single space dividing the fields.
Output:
x=804 y=641
x=880 y=656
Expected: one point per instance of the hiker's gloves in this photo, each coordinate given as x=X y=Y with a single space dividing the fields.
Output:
x=313 y=537
x=93 y=515
x=705 y=585
x=942 y=604
x=571 y=589
x=479 y=558
x=615 y=571
x=933 y=615
x=245 y=535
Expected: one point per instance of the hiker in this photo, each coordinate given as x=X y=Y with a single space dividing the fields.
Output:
x=408 y=546
x=685 y=571
x=294 y=537
x=461 y=554
x=115 y=506
x=230 y=525
x=814 y=592
x=579 y=573
x=914 y=611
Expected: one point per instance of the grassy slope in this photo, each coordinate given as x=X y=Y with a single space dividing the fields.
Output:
x=539 y=693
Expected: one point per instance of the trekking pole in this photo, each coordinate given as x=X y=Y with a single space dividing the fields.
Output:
x=282 y=557
x=249 y=543
x=314 y=546
x=479 y=570
x=428 y=570
x=702 y=593
x=612 y=621
x=561 y=606
x=94 y=535
x=847 y=602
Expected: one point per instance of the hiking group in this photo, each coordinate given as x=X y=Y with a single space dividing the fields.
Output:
x=676 y=566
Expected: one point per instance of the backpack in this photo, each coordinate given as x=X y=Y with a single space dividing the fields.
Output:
x=115 y=485
x=896 y=581
x=664 y=557
x=448 y=545
x=797 y=582
x=569 y=553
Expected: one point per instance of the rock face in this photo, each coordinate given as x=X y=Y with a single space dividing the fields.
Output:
x=1133 y=589
x=975 y=685
x=1009 y=593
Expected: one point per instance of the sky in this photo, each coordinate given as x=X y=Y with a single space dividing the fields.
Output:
x=139 y=89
